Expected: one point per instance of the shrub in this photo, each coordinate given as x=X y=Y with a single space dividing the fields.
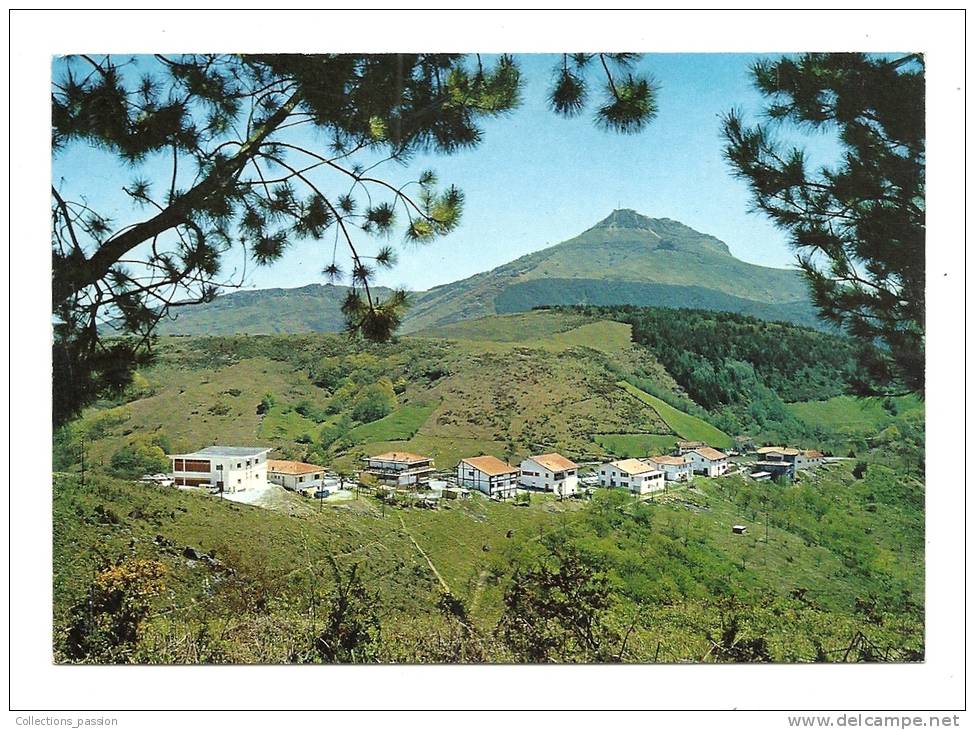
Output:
x=267 y=402
x=310 y=410
x=105 y=624
x=138 y=457
x=220 y=408
x=374 y=402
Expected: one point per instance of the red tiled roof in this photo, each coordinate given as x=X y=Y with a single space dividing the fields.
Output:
x=554 y=462
x=282 y=466
x=490 y=465
x=712 y=454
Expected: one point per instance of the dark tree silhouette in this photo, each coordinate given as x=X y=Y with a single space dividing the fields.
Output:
x=858 y=227
x=228 y=131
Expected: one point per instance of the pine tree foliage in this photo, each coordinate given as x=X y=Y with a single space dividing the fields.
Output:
x=629 y=100
x=859 y=226
x=240 y=175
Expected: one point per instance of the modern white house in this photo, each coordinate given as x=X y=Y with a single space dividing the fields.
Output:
x=685 y=447
x=675 y=468
x=400 y=468
x=639 y=477
x=551 y=472
x=488 y=474
x=225 y=468
x=294 y=475
x=708 y=461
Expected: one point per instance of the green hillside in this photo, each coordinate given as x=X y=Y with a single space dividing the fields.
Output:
x=536 y=382
x=839 y=577
x=852 y=415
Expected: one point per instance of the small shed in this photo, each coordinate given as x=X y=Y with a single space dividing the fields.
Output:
x=738 y=529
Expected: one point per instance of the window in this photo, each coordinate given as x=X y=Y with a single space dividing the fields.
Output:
x=248 y=462
x=219 y=467
x=238 y=465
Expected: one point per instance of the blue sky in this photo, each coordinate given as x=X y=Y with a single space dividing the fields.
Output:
x=538 y=179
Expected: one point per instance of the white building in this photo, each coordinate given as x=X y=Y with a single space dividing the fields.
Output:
x=809 y=458
x=488 y=474
x=551 y=472
x=633 y=474
x=708 y=461
x=294 y=475
x=684 y=447
x=800 y=459
x=675 y=468
x=226 y=468
x=400 y=468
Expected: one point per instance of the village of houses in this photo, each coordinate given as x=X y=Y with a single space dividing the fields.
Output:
x=243 y=473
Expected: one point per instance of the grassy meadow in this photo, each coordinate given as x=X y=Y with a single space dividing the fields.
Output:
x=846 y=414
x=683 y=424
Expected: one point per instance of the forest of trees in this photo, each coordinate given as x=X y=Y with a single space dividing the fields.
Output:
x=741 y=370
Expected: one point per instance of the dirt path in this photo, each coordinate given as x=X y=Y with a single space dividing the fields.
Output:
x=426 y=557
x=478 y=590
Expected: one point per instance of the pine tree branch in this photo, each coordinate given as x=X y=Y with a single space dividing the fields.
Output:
x=86 y=273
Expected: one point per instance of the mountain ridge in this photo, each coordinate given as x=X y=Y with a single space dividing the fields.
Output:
x=626 y=258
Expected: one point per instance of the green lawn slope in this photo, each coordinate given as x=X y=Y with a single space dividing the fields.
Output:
x=683 y=424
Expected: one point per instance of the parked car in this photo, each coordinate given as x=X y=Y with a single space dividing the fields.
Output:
x=321 y=494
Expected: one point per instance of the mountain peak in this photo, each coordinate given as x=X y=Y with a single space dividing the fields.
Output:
x=625 y=218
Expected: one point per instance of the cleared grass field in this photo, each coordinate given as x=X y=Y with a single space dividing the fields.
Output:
x=635 y=444
x=522 y=327
x=610 y=337
x=403 y=423
x=683 y=424
x=848 y=414
x=281 y=423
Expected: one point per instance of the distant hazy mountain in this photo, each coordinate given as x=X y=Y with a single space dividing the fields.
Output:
x=312 y=308
x=625 y=259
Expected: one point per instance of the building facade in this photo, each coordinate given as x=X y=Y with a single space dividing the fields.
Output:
x=488 y=474
x=639 y=477
x=551 y=472
x=294 y=475
x=224 y=468
x=675 y=468
x=400 y=469
x=801 y=459
x=774 y=468
x=685 y=447
x=708 y=461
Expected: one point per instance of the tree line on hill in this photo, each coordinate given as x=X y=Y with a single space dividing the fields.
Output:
x=737 y=371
